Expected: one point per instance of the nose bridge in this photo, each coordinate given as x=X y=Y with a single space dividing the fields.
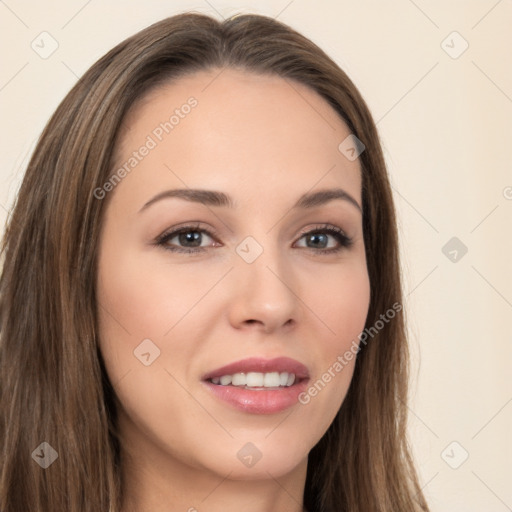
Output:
x=265 y=284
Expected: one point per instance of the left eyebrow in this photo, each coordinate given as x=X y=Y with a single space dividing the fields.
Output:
x=312 y=199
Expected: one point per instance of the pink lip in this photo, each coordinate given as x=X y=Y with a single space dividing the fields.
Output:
x=256 y=364
x=259 y=400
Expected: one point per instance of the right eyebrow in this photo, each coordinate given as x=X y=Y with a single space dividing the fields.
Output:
x=207 y=197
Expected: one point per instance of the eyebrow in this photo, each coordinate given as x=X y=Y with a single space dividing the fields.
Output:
x=215 y=198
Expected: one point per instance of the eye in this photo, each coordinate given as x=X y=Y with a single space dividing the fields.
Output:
x=190 y=238
x=318 y=238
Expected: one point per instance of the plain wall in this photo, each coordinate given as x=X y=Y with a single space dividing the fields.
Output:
x=446 y=125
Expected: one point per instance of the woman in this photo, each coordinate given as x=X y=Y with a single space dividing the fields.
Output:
x=265 y=370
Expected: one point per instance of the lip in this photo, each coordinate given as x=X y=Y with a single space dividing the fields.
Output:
x=259 y=400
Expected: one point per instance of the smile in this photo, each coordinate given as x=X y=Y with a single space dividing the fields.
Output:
x=258 y=386
x=256 y=380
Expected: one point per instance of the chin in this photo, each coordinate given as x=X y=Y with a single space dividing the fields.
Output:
x=257 y=461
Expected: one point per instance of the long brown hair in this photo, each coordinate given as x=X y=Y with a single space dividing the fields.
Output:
x=53 y=384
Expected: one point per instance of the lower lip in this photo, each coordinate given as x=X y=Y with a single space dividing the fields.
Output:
x=259 y=401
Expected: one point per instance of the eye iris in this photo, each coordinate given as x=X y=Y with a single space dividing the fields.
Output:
x=190 y=236
x=316 y=237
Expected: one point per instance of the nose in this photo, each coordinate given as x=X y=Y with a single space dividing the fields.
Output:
x=265 y=294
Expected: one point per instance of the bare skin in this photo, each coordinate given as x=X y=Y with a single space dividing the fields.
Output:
x=264 y=143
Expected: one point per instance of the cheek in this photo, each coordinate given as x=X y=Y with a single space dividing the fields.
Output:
x=143 y=295
x=341 y=300
x=130 y=304
x=143 y=298
x=341 y=303
x=137 y=303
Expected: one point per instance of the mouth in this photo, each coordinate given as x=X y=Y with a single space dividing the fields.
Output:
x=256 y=381
x=259 y=386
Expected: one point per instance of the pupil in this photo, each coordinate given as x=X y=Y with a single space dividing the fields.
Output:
x=315 y=238
x=190 y=236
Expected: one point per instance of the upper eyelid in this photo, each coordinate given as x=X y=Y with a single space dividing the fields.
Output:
x=191 y=227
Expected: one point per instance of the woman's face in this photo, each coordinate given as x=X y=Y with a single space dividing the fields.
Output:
x=244 y=285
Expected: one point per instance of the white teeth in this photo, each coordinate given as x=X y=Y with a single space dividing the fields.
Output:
x=271 y=380
x=239 y=379
x=256 y=379
x=225 y=380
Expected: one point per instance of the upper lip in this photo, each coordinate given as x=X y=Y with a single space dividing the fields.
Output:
x=261 y=365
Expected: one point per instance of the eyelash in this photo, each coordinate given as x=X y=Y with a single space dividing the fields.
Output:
x=344 y=240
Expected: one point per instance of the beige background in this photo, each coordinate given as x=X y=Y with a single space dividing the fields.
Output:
x=446 y=127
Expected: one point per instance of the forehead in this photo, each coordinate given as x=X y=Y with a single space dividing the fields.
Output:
x=228 y=128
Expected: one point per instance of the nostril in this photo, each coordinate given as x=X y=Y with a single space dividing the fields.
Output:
x=252 y=321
